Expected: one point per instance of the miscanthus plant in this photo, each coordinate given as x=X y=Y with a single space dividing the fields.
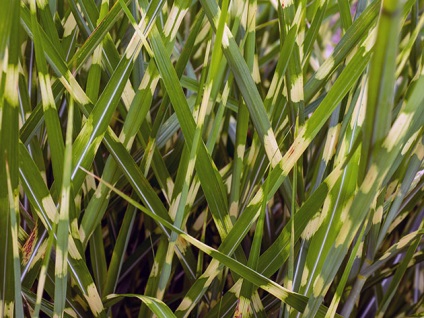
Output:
x=243 y=158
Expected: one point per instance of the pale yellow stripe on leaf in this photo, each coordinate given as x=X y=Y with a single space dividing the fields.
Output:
x=370 y=179
x=50 y=208
x=69 y=26
x=325 y=69
x=318 y=286
x=172 y=18
x=11 y=89
x=73 y=87
x=94 y=300
x=256 y=75
x=305 y=276
x=8 y=309
x=271 y=148
x=369 y=41
x=344 y=231
x=185 y=304
x=73 y=250
x=331 y=143
x=398 y=130
x=226 y=36
x=312 y=226
x=297 y=90
x=378 y=214
x=60 y=270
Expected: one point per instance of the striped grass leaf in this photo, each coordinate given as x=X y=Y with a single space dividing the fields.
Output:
x=14 y=227
x=217 y=204
x=45 y=307
x=94 y=75
x=246 y=291
x=43 y=248
x=153 y=284
x=91 y=134
x=405 y=185
x=380 y=93
x=300 y=142
x=136 y=115
x=186 y=171
x=223 y=109
x=159 y=308
x=323 y=232
x=246 y=85
x=207 y=171
x=355 y=34
x=397 y=277
x=171 y=246
x=10 y=298
x=98 y=256
x=77 y=61
x=140 y=185
x=277 y=254
x=386 y=154
x=41 y=200
x=356 y=253
x=184 y=175
x=61 y=261
x=292 y=299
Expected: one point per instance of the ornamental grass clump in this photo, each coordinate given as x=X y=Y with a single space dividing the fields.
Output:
x=210 y=158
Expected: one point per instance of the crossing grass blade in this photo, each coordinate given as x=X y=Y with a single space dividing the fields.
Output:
x=292 y=299
x=255 y=158
x=156 y=306
x=43 y=203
